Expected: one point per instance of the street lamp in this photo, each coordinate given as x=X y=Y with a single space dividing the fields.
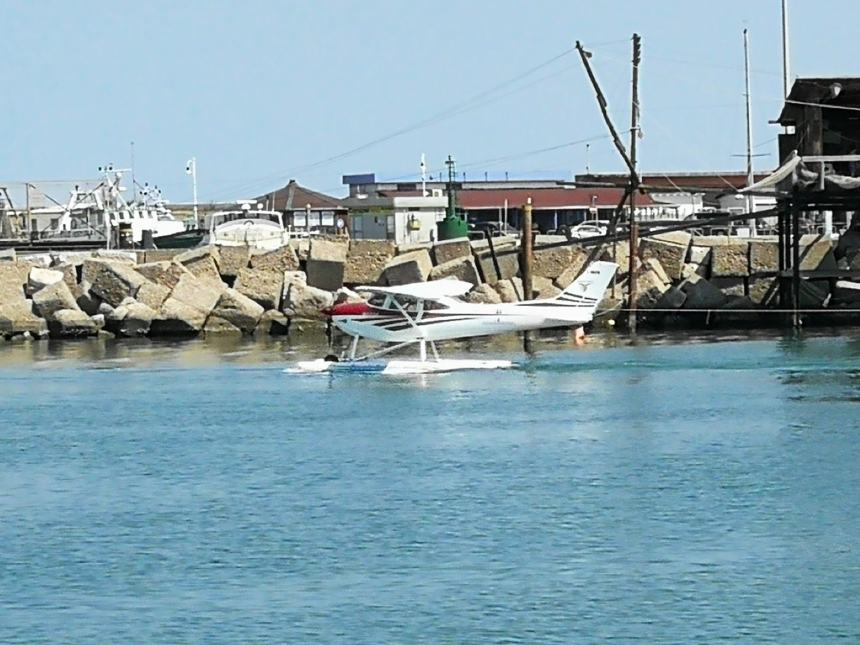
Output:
x=191 y=169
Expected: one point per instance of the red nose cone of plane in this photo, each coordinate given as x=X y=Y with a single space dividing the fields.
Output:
x=348 y=309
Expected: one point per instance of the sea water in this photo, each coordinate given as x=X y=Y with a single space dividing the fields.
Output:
x=667 y=491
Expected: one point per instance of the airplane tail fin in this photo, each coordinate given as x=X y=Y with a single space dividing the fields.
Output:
x=590 y=286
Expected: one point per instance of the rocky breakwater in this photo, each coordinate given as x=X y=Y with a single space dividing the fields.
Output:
x=210 y=290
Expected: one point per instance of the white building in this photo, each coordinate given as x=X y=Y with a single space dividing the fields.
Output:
x=401 y=219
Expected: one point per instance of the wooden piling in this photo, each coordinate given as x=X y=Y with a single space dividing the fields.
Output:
x=526 y=263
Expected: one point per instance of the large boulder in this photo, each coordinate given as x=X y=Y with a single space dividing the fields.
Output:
x=281 y=259
x=730 y=260
x=763 y=290
x=460 y=268
x=176 y=318
x=366 y=260
x=483 y=294
x=263 y=286
x=238 y=310
x=231 y=260
x=734 y=287
x=53 y=298
x=215 y=325
x=764 y=257
x=651 y=284
x=325 y=265
x=569 y=274
x=13 y=277
x=510 y=290
x=449 y=250
x=551 y=263
x=414 y=266
x=201 y=293
x=17 y=317
x=40 y=278
x=72 y=323
x=305 y=302
x=672 y=298
x=111 y=280
x=818 y=256
x=202 y=262
x=671 y=256
x=130 y=319
x=272 y=323
x=166 y=273
x=543 y=288
x=152 y=295
x=507 y=260
x=701 y=294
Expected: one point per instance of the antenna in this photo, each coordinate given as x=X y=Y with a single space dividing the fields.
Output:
x=750 y=175
x=786 y=52
x=423 y=167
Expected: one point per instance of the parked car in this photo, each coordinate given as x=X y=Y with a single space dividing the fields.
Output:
x=595 y=228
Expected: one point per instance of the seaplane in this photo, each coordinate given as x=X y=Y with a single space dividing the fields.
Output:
x=424 y=313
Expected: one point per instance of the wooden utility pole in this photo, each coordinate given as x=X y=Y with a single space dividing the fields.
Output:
x=526 y=249
x=634 y=184
x=527 y=261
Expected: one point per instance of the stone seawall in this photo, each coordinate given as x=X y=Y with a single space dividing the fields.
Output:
x=237 y=290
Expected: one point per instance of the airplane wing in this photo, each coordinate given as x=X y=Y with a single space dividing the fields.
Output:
x=424 y=290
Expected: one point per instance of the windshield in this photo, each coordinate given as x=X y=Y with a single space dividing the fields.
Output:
x=231 y=216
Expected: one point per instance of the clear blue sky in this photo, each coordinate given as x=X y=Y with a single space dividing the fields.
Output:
x=260 y=91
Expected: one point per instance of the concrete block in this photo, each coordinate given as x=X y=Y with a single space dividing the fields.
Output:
x=451 y=250
x=264 y=287
x=551 y=263
x=764 y=257
x=305 y=302
x=701 y=294
x=281 y=259
x=508 y=261
x=202 y=294
x=484 y=294
x=650 y=287
x=671 y=256
x=238 y=310
x=152 y=295
x=131 y=319
x=326 y=264
x=731 y=286
x=111 y=281
x=232 y=259
x=366 y=260
x=176 y=318
x=672 y=298
x=510 y=290
x=818 y=256
x=570 y=273
x=699 y=254
x=462 y=268
x=847 y=292
x=41 y=278
x=730 y=260
x=160 y=255
x=53 y=298
x=763 y=290
x=71 y=323
x=408 y=268
x=165 y=273
x=202 y=262
x=217 y=326
x=272 y=323
x=543 y=288
x=654 y=265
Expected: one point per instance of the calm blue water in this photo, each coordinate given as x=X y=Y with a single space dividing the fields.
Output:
x=663 y=492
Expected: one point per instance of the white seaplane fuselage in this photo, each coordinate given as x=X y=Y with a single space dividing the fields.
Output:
x=451 y=318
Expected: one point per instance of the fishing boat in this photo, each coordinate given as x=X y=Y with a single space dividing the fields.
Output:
x=247 y=226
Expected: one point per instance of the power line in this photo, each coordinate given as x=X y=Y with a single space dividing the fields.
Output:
x=473 y=102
